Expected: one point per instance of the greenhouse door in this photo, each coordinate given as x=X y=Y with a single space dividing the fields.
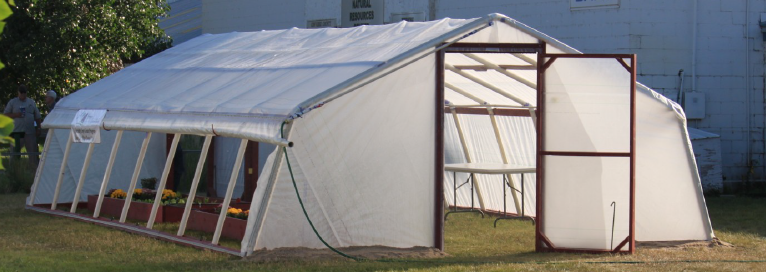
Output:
x=586 y=153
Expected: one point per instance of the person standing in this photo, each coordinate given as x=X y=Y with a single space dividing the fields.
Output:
x=24 y=113
x=50 y=100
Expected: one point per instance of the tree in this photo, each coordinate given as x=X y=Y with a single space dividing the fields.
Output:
x=65 y=45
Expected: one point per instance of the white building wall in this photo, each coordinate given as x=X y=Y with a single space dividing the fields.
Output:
x=659 y=31
x=221 y=16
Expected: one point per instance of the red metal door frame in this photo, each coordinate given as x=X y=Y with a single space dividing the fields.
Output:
x=544 y=60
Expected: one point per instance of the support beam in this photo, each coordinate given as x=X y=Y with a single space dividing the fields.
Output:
x=501 y=70
x=229 y=191
x=527 y=59
x=467 y=154
x=108 y=173
x=465 y=93
x=504 y=155
x=163 y=181
x=195 y=183
x=254 y=228
x=39 y=171
x=485 y=84
x=136 y=172
x=61 y=172
x=83 y=173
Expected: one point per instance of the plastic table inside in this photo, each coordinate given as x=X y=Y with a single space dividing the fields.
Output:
x=490 y=169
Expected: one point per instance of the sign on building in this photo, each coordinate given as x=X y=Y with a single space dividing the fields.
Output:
x=361 y=12
x=86 y=126
x=321 y=23
x=588 y=4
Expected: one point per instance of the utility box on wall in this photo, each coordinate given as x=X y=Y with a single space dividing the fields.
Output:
x=694 y=105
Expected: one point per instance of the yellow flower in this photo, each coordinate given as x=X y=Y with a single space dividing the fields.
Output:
x=138 y=191
x=119 y=193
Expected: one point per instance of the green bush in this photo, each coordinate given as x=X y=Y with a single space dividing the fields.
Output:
x=17 y=177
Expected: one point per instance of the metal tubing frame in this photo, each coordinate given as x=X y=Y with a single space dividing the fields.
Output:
x=134 y=178
x=39 y=171
x=504 y=156
x=163 y=181
x=195 y=183
x=542 y=243
x=61 y=172
x=439 y=152
x=229 y=191
x=81 y=181
x=485 y=84
x=108 y=173
x=501 y=70
x=251 y=235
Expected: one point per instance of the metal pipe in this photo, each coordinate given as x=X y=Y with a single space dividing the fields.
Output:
x=108 y=173
x=61 y=172
x=694 y=48
x=46 y=146
x=163 y=181
x=466 y=94
x=229 y=191
x=504 y=155
x=485 y=84
x=468 y=158
x=81 y=182
x=501 y=70
x=134 y=179
x=254 y=228
x=195 y=183
x=680 y=85
x=747 y=85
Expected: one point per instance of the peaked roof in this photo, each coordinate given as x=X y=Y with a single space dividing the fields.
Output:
x=245 y=85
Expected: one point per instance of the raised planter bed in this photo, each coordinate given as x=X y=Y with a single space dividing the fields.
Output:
x=233 y=228
x=138 y=210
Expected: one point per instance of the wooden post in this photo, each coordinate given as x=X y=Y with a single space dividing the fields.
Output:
x=39 y=172
x=82 y=178
x=61 y=172
x=195 y=183
x=163 y=181
x=229 y=191
x=108 y=173
x=136 y=171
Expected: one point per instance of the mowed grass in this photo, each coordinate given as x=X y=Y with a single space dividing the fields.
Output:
x=31 y=241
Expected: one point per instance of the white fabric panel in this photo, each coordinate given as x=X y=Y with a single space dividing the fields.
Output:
x=225 y=156
x=455 y=98
x=669 y=201
x=362 y=181
x=510 y=85
x=259 y=75
x=122 y=171
x=578 y=195
x=590 y=107
x=520 y=141
x=501 y=33
x=519 y=138
x=477 y=90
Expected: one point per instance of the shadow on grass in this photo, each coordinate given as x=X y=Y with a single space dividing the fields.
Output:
x=738 y=214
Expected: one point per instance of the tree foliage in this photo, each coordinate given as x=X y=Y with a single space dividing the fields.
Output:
x=65 y=45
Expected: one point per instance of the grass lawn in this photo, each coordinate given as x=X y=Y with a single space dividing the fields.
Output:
x=31 y=241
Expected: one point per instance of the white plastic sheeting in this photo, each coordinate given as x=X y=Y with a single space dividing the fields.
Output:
x=362 y=181
x=242 y=85
x=121 y=172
